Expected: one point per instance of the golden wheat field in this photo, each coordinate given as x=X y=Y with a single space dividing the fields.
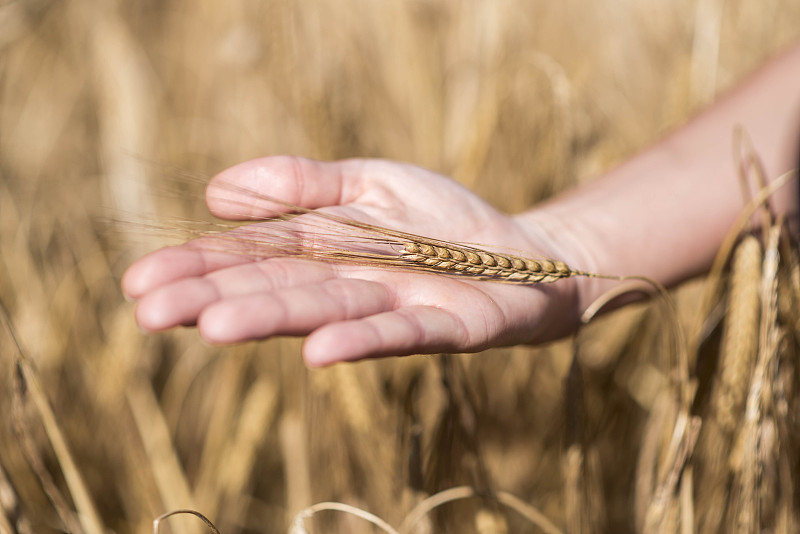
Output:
x=103 y=429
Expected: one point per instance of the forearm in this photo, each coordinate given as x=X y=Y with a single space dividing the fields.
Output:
x=665 y=212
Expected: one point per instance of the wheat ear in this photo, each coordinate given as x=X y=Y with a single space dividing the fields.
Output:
x=335 y=237
x=483 y=264
x=740 y=342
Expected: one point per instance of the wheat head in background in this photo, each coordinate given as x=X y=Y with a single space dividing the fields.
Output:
x=515 y=99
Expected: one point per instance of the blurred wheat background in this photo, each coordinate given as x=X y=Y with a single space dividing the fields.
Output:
x=102 y=102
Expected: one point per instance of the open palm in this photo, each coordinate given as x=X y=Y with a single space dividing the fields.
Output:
x=351 y=312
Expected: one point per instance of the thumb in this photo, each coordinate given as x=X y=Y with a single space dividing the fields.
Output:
x=245 y=191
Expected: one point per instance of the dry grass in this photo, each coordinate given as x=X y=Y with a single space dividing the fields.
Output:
x=517 y=100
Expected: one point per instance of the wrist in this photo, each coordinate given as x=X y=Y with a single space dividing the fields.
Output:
x=568 y=240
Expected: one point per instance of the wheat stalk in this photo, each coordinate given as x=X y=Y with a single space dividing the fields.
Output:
x=320 y=235
x=347 y=241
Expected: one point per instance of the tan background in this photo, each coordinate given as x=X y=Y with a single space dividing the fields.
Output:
x=103 y=103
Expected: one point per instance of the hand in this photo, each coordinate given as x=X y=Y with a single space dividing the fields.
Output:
x=351 y=312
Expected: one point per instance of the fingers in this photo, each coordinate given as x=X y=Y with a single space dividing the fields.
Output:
x=348 y=319
x=244 y=191
x=174 y=263
x=409 y=330
x=181 y=302
x=292 y=311
x=202 y=256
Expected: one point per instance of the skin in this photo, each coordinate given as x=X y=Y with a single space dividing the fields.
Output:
x=662 y=214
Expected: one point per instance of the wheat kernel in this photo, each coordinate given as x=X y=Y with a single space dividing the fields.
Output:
x=473 y=258
x=487 y=259
x=443 y=253
x=458 y=255
x=532 y=265
x=412 y=248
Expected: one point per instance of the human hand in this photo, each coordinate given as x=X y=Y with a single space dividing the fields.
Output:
x=352 y=311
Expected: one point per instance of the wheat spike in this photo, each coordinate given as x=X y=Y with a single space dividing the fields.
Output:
x=737 y=355
x=740 y=342
x=755 y=441
x=333 y=238
x=485 y=265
